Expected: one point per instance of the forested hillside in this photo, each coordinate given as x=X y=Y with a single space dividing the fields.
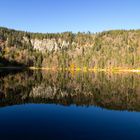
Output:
x=110 y=49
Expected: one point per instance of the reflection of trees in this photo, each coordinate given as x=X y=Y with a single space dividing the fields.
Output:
x=112 y=91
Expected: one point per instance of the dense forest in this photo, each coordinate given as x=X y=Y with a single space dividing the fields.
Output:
x=109 y=49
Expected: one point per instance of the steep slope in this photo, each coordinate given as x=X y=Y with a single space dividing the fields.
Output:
x=118 y=48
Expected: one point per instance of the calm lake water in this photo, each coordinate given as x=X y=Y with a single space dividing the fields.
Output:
x=47 y=105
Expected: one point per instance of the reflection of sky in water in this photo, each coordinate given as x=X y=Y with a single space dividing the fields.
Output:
x=59 y=122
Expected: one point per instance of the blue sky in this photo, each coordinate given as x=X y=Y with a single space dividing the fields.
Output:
x=70 y=15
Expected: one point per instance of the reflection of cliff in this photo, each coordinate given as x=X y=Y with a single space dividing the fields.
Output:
x=118 y=91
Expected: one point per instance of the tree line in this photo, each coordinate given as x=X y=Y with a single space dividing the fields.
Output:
x=109 y=49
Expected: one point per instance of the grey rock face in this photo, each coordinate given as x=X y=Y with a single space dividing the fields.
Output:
x=49 y=44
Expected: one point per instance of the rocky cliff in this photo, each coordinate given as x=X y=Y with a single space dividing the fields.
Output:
x=49 y=44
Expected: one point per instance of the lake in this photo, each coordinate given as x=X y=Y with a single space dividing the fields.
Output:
x=69 y=105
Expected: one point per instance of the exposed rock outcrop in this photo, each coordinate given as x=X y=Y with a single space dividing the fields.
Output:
x=49 y=44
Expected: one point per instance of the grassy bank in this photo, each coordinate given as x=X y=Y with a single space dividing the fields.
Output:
x=85 y=69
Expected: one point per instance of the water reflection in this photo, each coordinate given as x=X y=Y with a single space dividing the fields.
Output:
x=112 y=91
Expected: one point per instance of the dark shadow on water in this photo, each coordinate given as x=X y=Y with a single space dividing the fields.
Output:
x=6 y=63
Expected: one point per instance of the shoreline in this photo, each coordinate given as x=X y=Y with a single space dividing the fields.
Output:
x=84 y=69
x=88 y=69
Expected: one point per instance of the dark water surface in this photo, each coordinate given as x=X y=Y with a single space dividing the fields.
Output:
x=69 y=106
